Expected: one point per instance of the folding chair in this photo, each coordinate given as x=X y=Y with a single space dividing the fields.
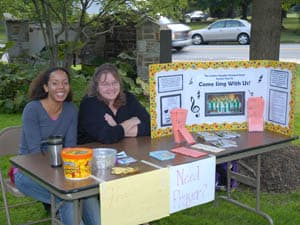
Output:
x=9 y=145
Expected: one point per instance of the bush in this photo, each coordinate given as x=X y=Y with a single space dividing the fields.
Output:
x=14 y=83
x=15 y=80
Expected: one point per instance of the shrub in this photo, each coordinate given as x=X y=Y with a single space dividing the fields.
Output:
x=15 y=80
x=14 y=83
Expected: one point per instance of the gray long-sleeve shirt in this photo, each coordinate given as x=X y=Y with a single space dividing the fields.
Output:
x=38 y=126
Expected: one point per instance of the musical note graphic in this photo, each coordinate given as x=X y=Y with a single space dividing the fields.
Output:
x=260 y=78
x=195 y=108
x=250 y=92
x=198 y=94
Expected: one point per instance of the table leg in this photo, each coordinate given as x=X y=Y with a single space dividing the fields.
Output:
x=54 y=209
x=77 y=211
x=253 y=182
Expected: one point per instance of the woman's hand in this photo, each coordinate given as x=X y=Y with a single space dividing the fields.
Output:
x=111 y=122
x=130 y=126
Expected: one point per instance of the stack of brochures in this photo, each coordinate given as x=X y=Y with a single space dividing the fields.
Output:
x=207 y=136
x=124 y=159
x=162 y=155
x=224 y=143
x=221 y=139
x=227 y=134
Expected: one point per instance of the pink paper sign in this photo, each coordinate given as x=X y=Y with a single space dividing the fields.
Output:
x=255 y=110
x=189 y=152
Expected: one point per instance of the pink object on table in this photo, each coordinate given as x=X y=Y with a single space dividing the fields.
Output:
x=255 y=110
x=178 y=117
x=189 y=152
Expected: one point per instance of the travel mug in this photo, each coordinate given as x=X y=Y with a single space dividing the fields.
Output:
x=55 y=144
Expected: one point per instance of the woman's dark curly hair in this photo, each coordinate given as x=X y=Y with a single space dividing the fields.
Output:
x=36 y=88
x=103 y=70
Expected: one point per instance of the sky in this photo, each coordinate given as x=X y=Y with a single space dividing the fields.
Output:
x=94 y=9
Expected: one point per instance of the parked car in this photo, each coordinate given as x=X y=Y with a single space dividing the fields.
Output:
x=180 y=33
x=223 y=30
x=196 y=16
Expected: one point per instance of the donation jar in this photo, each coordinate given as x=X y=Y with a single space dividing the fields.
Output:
x=77 y=162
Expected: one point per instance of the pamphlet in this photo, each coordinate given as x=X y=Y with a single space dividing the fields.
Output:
x=126 y=160
x=208 y=148
x=227 y=134
x=162 y=155
x=207 y=136
x=123 y=158
x=189 y=152
x=225 y=143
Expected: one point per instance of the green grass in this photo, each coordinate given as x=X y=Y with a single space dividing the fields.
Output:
x=9 y=120
x=2 y=34
x=283 y=208
x=291 y=30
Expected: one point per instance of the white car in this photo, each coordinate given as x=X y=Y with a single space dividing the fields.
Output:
x=180 y=33
x=222 y=31
x=196 y=16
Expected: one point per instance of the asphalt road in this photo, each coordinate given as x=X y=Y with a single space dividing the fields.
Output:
x=288 y=53
x=210 y=52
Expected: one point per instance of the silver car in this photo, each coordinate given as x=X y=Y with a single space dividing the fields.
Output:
x=223 y=30
x=180 y=33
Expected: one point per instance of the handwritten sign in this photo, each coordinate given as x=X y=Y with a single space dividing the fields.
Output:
x=192 y=184
x=135 y=199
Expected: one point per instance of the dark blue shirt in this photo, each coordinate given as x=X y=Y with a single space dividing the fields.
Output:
x=92 y=127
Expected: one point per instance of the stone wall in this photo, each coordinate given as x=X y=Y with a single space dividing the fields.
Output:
x=18 y=32
x=122 y=39
x=148 y=47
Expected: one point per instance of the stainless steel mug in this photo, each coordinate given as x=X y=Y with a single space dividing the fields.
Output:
x=55 y=144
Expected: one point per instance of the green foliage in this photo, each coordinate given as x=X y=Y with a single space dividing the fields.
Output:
x=5 y=48
x=79 y=86
x=14 y=83
x=127 y=69
x=132 y=83
x=15 y=80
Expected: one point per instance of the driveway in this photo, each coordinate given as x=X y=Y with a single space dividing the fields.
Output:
x=288 y=53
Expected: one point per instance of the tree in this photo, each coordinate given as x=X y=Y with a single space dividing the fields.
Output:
x=265 y=29
x=71 y=17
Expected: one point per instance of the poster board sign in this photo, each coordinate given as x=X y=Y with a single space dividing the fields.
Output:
x=192 y=184
x=216 y=93
x=136 y=199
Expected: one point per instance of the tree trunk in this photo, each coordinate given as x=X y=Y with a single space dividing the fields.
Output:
x=265 y=30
